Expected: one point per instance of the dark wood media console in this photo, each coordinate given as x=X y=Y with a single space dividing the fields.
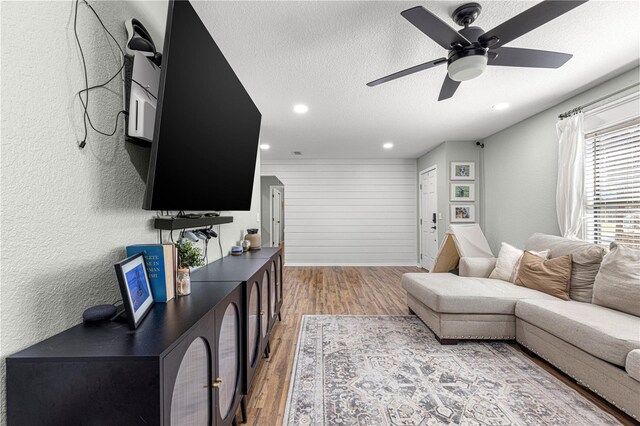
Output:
x=261 y=273
x=191 y=361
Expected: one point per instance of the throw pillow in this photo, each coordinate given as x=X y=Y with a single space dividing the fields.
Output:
x=548 y=276
x=586 y=258
x=508 y=262
x=617 y=284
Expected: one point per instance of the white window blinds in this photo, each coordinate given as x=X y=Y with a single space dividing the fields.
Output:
x=612 y=184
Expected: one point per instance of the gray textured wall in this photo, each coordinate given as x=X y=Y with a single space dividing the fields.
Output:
x=66 y=213
x=521 y=171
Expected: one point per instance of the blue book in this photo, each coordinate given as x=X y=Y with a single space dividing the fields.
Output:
x=160 y=260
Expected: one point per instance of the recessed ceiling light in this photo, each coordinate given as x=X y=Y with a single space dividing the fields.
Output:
x=300 y=109
x=265 y=146
x=501 y=106
x=388 y=145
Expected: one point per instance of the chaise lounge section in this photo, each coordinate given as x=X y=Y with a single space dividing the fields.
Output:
x=457 y=308
x=596 y=345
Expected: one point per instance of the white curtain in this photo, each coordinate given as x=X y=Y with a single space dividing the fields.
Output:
x=570 y=189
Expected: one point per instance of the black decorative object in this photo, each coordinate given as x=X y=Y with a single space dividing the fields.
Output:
x=135 y=288
x=98 y=313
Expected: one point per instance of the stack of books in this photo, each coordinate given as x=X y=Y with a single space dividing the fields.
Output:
x=162 y=265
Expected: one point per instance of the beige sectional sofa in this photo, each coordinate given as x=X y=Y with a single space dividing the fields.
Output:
x=596 y=345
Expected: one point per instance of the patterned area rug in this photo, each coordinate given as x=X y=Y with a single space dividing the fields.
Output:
x=390 y=370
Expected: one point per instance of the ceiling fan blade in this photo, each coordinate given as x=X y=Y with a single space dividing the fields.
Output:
x=527 y=21
x=449 y=87
x=408 y=71
x=528 y=58
x=434 y=27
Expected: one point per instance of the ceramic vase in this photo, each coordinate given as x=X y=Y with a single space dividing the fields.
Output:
x=254 y=238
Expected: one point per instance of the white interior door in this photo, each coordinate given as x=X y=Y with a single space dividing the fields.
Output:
x=428 y=218
x=276 y=214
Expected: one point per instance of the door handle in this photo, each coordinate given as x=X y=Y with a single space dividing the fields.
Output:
x=215 y=383
x=433 y=227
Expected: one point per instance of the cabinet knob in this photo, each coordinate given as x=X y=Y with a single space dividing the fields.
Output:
x=216 y=383
x=261 y=312
x=218 y=380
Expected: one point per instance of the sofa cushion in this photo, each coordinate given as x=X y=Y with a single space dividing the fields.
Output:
x=617 y=284
x=632 y=365
x=604 y=333
x=548 y=276
x=480 y=267
x=586 y=259
x=448 y=293
x=508 y=262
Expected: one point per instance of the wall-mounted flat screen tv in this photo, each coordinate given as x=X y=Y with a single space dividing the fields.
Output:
x=205 y=140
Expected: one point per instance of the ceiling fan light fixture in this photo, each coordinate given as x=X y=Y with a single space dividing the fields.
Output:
x=467 y=67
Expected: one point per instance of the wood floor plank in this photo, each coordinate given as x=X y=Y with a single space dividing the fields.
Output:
x=340 y=291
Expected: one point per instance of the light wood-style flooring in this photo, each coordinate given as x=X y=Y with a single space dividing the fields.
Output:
x=339 y=291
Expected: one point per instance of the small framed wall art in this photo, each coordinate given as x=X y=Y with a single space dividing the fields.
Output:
x=463 y=213
x=463 y=170
x=462 y=191
x=134 y=286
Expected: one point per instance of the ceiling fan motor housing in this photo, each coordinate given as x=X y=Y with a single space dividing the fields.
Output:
x=466 y=14
x=471 y=33
x=467 y=64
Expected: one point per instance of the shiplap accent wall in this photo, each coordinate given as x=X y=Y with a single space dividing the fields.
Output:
x=348 y=212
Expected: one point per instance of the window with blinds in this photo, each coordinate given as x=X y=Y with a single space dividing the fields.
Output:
x=612 y=184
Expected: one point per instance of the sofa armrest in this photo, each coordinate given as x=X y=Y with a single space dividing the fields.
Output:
x=479 y=267
x=632 y=365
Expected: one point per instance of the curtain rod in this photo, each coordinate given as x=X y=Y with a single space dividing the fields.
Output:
x=581 y=107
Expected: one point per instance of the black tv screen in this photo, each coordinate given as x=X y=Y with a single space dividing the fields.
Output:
x=205 y=141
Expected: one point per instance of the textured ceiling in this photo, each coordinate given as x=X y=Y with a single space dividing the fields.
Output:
x=323 y=53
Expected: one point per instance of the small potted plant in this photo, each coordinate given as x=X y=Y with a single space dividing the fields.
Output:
x=188 y=256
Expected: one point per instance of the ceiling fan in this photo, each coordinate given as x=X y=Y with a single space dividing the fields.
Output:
x=471 y=49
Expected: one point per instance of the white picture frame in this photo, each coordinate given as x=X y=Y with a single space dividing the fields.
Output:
x=462 y=191
x=462 y=213
x=463 y=170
